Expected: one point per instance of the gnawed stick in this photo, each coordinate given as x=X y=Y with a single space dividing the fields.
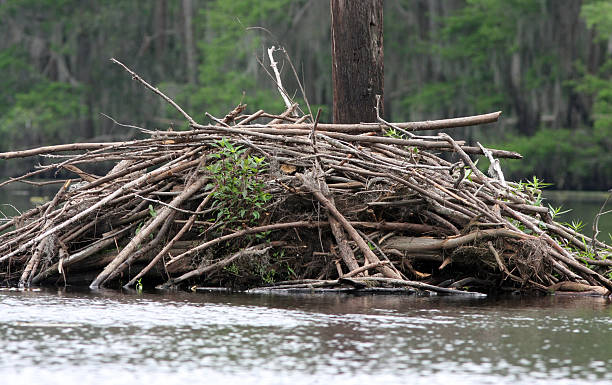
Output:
x=144 y=232
x=409 y=126
x=279 y=83
x=186 y=227
x=135 y=76
x=368 y=254
x=92 y=249
x=250 y=251
x=416 y=285
x=60 y=148
x=364 y=268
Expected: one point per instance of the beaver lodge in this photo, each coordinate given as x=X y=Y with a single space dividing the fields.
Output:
x=284 y=202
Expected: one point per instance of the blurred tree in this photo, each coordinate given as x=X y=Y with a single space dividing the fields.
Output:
x=546 y=63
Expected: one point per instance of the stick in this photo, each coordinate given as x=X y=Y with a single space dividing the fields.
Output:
x=60 y=148
x=368 y=254
x=144 y=233
x=596 y=222
x=251 y=251
x=135 y=76
x=170 y=244
x=410 y=126
x=418 y=285
x=364 y=268
x=279 y=82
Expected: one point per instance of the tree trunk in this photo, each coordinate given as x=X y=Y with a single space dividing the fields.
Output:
x=159 y=28
x=357 y=59
x=189 y=43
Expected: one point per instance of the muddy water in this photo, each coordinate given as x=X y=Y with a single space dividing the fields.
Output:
x=59 y=337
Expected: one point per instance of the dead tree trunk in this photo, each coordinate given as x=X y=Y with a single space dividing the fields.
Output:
x=357 y=59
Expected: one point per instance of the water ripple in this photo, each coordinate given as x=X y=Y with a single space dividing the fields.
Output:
x=107 y=337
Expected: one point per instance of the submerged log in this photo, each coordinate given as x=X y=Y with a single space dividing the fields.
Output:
x=250 y=200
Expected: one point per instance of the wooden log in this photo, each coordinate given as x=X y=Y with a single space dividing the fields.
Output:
x=420 y=244
x=356 y=128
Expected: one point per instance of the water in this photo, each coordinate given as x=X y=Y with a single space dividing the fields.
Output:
x=58 y=337
x=583 y=206
x=16 y=198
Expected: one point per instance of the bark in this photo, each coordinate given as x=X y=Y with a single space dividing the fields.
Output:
x=357 y=59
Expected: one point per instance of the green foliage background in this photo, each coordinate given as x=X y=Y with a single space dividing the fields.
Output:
x=546 y=63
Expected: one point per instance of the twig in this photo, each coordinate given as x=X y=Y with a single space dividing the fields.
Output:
x=361 y=269
x=279 y=82
x=596 y=222
x=135 y=76
x=186 y=227
x=251 y=251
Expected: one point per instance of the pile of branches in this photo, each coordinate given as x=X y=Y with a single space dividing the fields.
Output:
x=287 y=203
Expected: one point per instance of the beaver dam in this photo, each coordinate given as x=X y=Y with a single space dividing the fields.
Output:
x=283 y=202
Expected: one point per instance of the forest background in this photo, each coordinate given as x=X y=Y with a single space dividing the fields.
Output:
x=546 y=63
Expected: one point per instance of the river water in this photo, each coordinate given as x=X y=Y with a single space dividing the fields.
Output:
x=109 y=337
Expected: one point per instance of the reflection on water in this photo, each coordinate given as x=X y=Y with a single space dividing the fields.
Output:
x=16 y=198
x=113 y=338
x=583 y=206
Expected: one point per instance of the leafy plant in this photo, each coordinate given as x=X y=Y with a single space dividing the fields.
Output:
x=533 y=187
x=266 y=274
x=263 y=235
x=232 y=269
x=240 y=193
x=139 y=286
x=138 y=228
x=393 y=133
x=576 y=225
x=290 y=272
x=556 y=211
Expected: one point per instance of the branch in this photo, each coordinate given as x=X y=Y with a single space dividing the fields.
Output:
x=279 y=83
x=155 y=90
